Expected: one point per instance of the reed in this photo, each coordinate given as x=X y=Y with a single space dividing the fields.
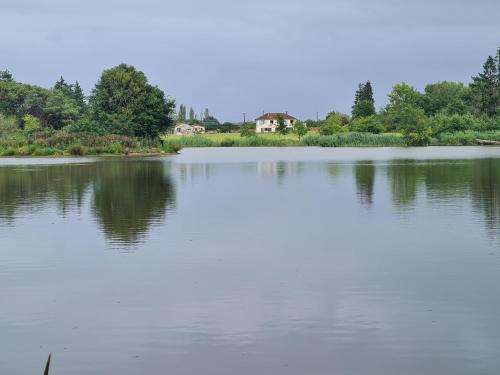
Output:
x=354 y=140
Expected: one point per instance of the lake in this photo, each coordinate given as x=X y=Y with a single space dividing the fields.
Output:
x=253 y=261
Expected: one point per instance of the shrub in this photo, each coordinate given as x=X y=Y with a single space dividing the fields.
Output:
x=248 y=130
x=9 y=152
x=227 y=142
x=370 y=124
x=335 y=123
x=173 y=148
x=31 y=124
x=443 y=123
x=115 y=148
x=77 y=150
x=45 y=151
x=26 y=150
x=457 y=138
x=85 y=125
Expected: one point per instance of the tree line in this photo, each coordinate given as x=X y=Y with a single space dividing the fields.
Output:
x=122 y=102
x=443 y=108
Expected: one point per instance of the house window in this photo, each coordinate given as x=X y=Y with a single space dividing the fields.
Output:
x=272 y=122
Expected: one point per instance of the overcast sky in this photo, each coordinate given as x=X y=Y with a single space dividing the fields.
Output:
x=301 y=56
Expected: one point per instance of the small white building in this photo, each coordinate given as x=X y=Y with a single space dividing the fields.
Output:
x=268 y=122
x=186 y=129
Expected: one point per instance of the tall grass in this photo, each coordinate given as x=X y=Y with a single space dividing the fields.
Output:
x=233 y=140
x=355 y=140
x=466 y=138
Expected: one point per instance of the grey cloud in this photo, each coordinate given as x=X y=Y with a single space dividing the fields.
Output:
x=249 y=56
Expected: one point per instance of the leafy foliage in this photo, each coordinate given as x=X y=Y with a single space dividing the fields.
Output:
x=123 y=102
x=281 y=126
x=248 y=130
x=485 y=88
x=369 y=124
x=300 y=129
x=335 y=123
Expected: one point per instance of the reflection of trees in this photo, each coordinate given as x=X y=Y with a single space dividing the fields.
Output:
x=128 y=196
x=477 y=180
x=29 y=188
x=486 y=191
x=364 y=173
x=403 y=179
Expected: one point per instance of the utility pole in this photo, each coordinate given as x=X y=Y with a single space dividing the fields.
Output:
x=244 y=118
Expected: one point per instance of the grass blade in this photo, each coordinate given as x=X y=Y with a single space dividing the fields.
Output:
x=46 y=372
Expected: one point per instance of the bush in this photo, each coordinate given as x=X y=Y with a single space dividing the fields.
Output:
x=115 y=148
x=85 y=125
x=9 y=152
x=45 y=151
x=335 y=123
x=227 y=142
x=248 y=130
x=77 y=150
x=443 y=123
x=31 y=124
x=418 y=136
x=457 y=138
x=370 y=124
x=26 y=150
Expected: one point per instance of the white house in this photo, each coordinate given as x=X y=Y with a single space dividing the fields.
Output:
x=268 y=122
x=186 y=129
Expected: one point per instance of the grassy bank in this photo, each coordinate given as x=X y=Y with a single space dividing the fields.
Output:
x=61 y=143
x=466 y=138
x=275 y=140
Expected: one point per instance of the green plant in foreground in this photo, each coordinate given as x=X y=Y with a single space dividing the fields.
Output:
x=47 y=365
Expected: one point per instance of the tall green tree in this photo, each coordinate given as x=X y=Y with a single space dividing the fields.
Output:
x=60 y=110
x=447 y=97
x=300 y=129
x=281 y=126
x=79 y=97
x=405 y=114
x=125 y=103
x=5 y=75
x=182 y=113
x=211 y=123
x=485 y=88
x=364 y=103
x=192 y=116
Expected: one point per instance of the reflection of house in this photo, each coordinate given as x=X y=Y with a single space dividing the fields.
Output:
x=268 y=122
x=186 y=129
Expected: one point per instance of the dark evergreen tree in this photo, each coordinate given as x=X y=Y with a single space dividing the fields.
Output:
x=79 y=97
x=5 y=75
x=485 y=88
x=364 y=104
x=181 y=116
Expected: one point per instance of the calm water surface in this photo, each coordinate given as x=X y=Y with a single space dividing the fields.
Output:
x=253 y=261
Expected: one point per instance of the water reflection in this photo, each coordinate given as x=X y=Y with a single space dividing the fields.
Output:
x=364 y=173
x=403 y=181
x=126 y=197
x=129 y=197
